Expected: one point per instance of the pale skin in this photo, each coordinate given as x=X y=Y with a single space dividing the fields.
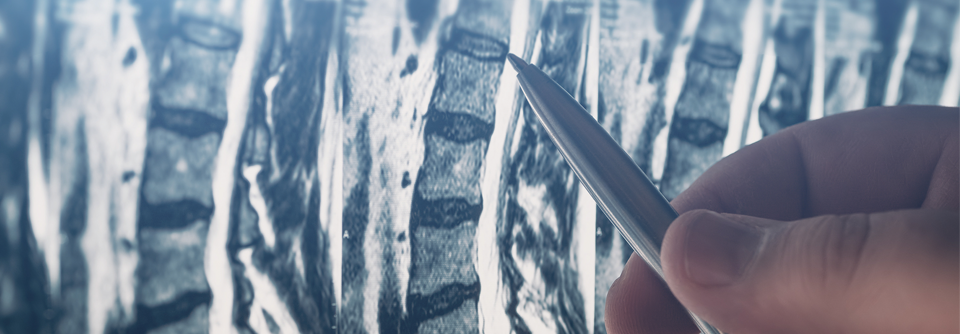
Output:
x=847 y=224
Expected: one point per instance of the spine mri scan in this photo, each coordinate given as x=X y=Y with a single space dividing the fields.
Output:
x=371 y=166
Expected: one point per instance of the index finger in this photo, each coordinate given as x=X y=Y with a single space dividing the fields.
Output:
x=872 y=160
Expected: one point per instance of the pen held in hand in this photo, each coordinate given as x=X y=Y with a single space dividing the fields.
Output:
x=622 y=191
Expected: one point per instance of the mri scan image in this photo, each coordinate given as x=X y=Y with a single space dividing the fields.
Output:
x=371 y=166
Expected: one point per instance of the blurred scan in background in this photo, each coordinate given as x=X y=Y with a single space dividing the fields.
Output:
x=370 y=166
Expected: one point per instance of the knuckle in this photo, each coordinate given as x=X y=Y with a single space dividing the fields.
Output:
x=830 y=251
x=845 y=249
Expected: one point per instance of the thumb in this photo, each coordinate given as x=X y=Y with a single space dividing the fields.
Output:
x=889 y=272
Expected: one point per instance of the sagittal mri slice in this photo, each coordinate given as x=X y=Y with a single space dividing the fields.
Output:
x=287 y=166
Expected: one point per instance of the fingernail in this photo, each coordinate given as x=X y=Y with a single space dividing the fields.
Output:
x=718 y=250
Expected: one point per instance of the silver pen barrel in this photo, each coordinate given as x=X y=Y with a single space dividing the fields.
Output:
x=622 y=191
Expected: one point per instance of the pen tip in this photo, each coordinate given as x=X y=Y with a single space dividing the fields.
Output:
x=518 y=64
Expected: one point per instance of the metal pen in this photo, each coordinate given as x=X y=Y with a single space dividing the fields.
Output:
x=622 y=191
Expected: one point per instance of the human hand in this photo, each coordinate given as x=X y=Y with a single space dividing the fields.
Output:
x=846 y=224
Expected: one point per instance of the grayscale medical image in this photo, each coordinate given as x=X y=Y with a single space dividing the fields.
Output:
x=371 y=166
